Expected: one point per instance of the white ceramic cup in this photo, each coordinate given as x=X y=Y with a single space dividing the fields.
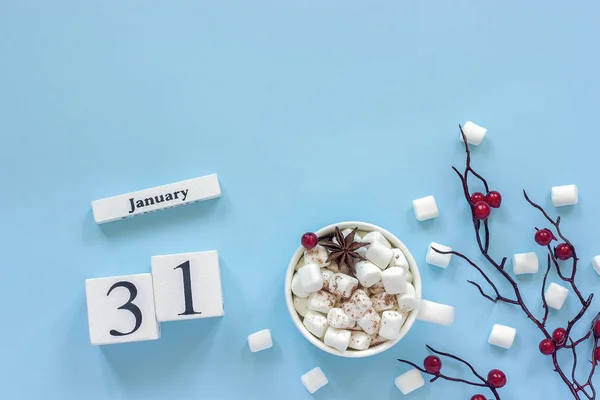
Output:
x=414 y=269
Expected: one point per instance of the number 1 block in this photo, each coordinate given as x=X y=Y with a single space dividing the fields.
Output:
x=121 y=309
x=187 y=286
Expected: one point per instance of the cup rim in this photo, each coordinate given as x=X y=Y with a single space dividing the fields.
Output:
x=413 y=267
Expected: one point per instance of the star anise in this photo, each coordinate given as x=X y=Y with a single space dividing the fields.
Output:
x=344 y=251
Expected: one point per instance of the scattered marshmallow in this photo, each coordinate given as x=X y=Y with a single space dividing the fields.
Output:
x=410 y=381
x=556 y=295
x=316 y=323
x=383 y=301
x=596 y=264
x=409 y=277
x=502 y=336
x=342 y=285
x=567 y=195
x=525 y=263
x=311 y=279
x=314 y=380
x=376 y=339
x=437 y=259
x=337 y=318
x=394 y=280
x=377 y=288
x=359 y=341
x=327 y=274
x=259 y=341
x=317 y=255
x=473 y=132
x=376 y=236
x=300 y=305
x=399 y=259
x=425 y=208
x=370 y=322
x=436 y=313
x=321 y=301
x=297 y=288
x=339 y=339
x=357 y=305
x=368 y=273
x=379 y=255
x=408 y=300
x=391 y=322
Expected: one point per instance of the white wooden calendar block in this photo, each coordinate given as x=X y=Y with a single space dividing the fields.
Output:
x=121 y=309
x=157 y=198
x=187 y=286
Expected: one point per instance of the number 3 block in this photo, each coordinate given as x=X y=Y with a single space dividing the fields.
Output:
x=121 y=309
x=187 y=286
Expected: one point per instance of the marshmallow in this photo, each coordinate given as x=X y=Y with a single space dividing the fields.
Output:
x=342 y=285
x=297 y=288
x=339 y=339
x=556 y=295
x=321 y=301
x=314 y=380
x=377 y=288
x=435 y=258
x=410 y=381
x=525 y=263
x=436 y=313
x=300 y=305
x=502 y=336
x=473 y=132
x=425 y=208
x=337 y=318
x=316 y=323
x=383 y=301
x=596 y=264
x=333 y=267
x=376 y=339
x=379 y=255
x=357 y=305
x=394 y=280
x=260 y=341
x=317 y=255
x=367 y=273
x=359 y=341
x=311 y=279
x=376 y=236
x=391 y=322
x=567 y=195
x=409 y=277
x=327 y=274
x=370 y=322
x=399 y=259
x=408 y=300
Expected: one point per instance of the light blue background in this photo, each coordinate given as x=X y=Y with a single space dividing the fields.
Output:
x=311 y=113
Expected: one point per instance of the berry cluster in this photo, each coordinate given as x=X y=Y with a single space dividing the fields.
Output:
x=483 y=204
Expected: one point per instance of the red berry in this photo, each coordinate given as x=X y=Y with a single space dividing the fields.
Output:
x=309 y=240
x=432 y=364
x=559 y=336
x=481 y=210
x=478 y=397
x=494 y=199
x=563 y=251
x=496 y=378
x=544 y=237
x=547 y=347
x=597 y=354
x=477 y=197
x=597 y=329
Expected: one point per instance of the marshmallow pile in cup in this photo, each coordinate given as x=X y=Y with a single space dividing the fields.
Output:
x=358 y=309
